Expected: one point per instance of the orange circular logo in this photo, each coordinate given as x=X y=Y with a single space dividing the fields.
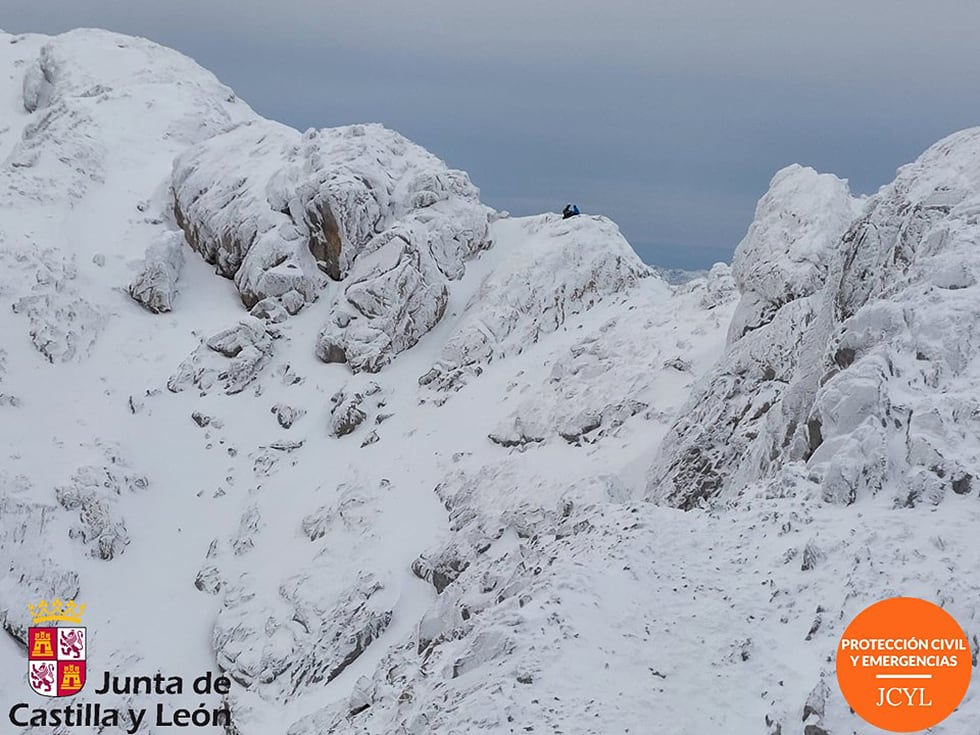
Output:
x=904 y=664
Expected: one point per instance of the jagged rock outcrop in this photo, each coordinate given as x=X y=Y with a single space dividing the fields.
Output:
x=221 y=203
x=349 y=409
x=299 y=208
x=155 y=288
x=896 y=401
x=872 y=380
x=346 y=414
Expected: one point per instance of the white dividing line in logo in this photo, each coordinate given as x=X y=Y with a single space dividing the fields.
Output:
x=903 y=676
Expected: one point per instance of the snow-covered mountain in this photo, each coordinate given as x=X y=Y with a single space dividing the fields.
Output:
x=298 y=407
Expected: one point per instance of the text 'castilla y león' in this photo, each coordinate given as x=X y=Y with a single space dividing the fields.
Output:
x=131 y=719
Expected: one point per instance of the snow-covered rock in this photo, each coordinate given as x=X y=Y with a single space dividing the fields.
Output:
x=304 y=630
x=309 y=647
x=396 y=295
x=86 y=100
x=279 y=211
x=287 y=415
x=346 y=414
x=155 y=288
x=872 y=379
x=594 y=387
x=93 y=492
x=63 y=324
x=779 y=267
x=896 y=401
x=564 y=267
x=222 y=204
x=502 y=626
x=349 y=409
x=232 y=358
x=789 y=245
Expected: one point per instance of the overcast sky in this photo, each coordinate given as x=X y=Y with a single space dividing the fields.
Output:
x=669 y=116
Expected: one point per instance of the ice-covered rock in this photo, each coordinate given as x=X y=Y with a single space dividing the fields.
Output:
x=155 y=288
x=221 y=203
x=790 y=243
x=779 y=266
x=232 y=359
x=896 y=389
x=566 y=267
x=396 y=295
x=63 y=324
x=871 y=380
x=286 y=210
x=94 y=493
x=346 y=414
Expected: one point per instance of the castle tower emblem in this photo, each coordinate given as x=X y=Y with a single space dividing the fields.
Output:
x=56 y=653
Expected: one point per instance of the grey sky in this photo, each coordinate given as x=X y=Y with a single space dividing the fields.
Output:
x=670 y=116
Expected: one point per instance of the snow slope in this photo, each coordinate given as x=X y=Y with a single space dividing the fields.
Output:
x=297 y=407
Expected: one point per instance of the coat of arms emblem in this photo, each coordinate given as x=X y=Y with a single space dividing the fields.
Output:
x=56 y=653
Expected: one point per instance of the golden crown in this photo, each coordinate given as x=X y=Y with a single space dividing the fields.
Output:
x=67 y=611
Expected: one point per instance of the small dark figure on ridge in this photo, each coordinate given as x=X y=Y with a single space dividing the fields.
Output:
x=570 y=210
